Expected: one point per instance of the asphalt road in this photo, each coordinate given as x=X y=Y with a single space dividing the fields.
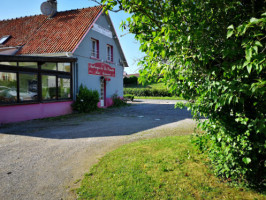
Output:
x=42 y=159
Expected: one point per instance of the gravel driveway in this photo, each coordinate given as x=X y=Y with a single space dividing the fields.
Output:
x=42 y=159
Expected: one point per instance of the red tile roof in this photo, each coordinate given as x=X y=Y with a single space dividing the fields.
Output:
x=41 y=35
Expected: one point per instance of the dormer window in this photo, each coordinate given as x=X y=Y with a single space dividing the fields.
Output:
x=4 y=39
x=95 y=48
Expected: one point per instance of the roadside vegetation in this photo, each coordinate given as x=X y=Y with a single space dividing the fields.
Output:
x=211 y=53
x=162 y=168
x=148 y=91
x=162 y=98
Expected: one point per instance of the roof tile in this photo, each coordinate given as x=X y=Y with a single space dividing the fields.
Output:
x=39 y=34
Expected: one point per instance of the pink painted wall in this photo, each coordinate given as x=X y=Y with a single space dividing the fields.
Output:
x=19 y=113
x=109 y=102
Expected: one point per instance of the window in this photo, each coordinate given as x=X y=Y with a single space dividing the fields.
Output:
x=8 y=87
x=110 y=56
x=8 y=63
x=28 y=64
x=65 y=67
x=49 y=66
x=4 y=39
x=95 y=48
x=64 y=88
x=25 y=82
x=28 y=87
x=48 y=87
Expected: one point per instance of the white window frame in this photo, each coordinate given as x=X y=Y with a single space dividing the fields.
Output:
x=110 y=53
x=94 y=48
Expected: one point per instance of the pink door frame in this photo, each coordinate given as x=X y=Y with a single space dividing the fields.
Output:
x=104 y=96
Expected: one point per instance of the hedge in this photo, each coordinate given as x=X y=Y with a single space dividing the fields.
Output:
x=147 y=92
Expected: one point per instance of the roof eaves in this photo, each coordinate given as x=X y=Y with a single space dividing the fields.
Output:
x=96 y=18
x=118 y=41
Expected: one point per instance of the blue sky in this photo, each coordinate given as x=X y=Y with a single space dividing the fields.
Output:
x=20 y=8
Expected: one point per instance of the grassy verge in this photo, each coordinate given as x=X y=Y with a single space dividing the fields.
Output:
x=165 y=98
x=162 y=168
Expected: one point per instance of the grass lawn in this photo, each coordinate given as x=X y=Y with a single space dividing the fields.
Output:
x=162 y=168
x=165 y=98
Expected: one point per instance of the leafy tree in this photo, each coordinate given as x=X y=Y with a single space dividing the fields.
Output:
x=212 y=53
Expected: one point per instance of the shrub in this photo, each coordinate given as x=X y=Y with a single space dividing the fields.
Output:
x=129 y=96
x=147 y=92
x=86 y=100
x=214 y=57
x=131 y=80
x=117 y=101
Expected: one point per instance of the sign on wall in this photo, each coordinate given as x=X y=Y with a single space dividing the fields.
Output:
x=101 y=69
x=102 y=30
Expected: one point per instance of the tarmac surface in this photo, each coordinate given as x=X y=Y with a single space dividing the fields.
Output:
x=45 y=159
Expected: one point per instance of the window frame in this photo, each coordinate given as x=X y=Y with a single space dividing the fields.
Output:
x=95 y=54
x=4 y=39
x=39 y=72
x=110 y=58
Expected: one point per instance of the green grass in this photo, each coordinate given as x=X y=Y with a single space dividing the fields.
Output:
x=162 y=168
x=164 y=98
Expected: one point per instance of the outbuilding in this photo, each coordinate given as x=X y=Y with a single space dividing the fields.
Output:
x=44 y=59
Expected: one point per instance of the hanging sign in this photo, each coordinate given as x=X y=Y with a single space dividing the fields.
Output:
x=101 y=69
x=102 y=30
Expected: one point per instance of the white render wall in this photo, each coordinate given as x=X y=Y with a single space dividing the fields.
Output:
x=83 y=54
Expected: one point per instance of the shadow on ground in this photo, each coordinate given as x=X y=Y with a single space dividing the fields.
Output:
x=111 y=122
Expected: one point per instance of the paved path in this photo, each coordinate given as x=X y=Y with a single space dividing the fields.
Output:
x=41 y=159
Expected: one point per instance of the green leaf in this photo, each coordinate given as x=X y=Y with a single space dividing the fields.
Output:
x=248 y=54
x=231 y=27
x=249 y=68
x=230 y=32
x=246 y=160
x=257 y=43
x=254 y=20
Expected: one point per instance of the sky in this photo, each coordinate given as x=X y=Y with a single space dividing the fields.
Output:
x=21 y=8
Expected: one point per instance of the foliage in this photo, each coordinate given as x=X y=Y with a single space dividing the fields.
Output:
x=86 y=100
x=117 y=101
x=131 y=80
x=150 y=85
x=160 y=98
x=147 y=92
x=162 y=168
x=212 y=53
x=129 y=96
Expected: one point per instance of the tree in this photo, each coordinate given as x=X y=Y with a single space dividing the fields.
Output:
x=212 y=53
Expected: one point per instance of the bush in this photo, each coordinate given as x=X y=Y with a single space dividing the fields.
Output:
x=131 y=80
x=214 y=58
x=147 y=92
x=129 y=96
x=117 y=101
x=86 y=100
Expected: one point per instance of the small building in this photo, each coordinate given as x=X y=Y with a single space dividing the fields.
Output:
x=44 y=59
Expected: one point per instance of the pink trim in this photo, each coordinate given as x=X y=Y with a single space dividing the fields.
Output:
x=88 y=30
x=104 y=92
x=110 y=62
x=94 y=58
x=19 y=113
x=108 y=103
x=117 y=37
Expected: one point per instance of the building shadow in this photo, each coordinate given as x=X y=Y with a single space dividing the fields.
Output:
x=110 y=122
